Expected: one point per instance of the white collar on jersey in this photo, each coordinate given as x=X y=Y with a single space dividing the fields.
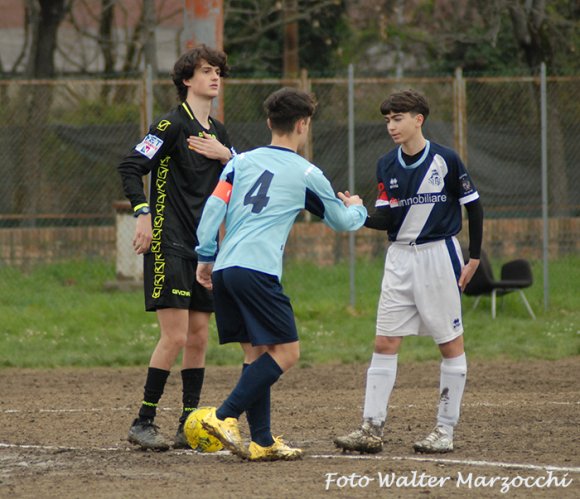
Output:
x=416 y=163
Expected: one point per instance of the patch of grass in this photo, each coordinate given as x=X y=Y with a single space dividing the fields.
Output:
x=60 y=315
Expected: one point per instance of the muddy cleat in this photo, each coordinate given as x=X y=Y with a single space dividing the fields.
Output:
x=180 y=441
x=226 y=431
x=278 y=451
x=145 y=434
x=367 y=439
x=438 y=441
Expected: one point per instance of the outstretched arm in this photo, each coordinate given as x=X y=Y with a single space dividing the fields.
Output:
x=380 y=219
x=322 y=202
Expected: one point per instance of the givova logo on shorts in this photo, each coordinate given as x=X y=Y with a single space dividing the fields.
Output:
x=159 y=266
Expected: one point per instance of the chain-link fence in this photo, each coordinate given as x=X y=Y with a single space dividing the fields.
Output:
x=62 y=140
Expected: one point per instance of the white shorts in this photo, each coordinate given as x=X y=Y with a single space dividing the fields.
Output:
x=419 y=293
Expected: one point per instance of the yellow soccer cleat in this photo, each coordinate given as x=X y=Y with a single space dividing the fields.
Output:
x=226 y=431
x=278 y=451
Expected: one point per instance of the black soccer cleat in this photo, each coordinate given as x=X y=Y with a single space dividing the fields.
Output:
x=145 y=434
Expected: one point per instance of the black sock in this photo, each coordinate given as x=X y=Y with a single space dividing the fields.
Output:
x=192 y=383
x=154 y=386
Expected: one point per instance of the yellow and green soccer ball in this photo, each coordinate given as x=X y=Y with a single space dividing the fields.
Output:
x=197 y=438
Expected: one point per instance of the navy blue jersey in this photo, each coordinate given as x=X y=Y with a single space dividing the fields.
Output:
x=425 y=197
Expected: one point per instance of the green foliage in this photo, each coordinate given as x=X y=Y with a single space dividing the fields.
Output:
x=321 y=38
x=60 y=315
x=476 y=53
x=254 y=36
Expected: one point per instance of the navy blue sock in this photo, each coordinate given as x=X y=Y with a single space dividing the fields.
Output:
x=258 y=416
x=255 y=380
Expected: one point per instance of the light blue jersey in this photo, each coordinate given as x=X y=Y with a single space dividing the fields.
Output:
x=267 y=188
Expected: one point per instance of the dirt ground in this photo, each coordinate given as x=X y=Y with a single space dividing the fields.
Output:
x=62 y=434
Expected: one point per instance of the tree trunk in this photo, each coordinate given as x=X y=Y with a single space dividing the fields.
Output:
x=45 y=17
x=291 y=61
x=106 y=42
x=50 y=15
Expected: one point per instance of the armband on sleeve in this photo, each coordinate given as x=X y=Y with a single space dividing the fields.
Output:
x=223 y=191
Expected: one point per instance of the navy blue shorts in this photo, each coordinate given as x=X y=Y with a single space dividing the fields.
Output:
x=251 y=307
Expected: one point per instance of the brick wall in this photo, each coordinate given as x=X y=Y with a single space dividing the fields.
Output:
x=30 y=246
x=503 y=238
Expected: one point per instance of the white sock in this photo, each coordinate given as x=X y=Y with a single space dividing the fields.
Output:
x=451 y=387
x=381 y=377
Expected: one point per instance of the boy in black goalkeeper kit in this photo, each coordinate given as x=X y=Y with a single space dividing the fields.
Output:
x=183 y=175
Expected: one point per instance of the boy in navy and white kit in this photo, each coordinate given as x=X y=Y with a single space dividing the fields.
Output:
x=421 y=189
x=260 y=193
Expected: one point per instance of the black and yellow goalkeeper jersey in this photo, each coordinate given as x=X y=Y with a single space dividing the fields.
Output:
x=181 y=179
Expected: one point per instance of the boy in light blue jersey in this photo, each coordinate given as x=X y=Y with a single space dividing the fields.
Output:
x=260 y=193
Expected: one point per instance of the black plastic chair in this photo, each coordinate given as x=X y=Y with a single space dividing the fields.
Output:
x=516 y=275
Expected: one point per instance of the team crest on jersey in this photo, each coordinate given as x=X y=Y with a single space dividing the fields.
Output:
x=393 y=183
x=435 y=178
x=466 y=184
x=149 y=146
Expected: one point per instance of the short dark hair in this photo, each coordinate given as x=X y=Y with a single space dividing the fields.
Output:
x=406 y=101
x=191 y=60
x=286 y=106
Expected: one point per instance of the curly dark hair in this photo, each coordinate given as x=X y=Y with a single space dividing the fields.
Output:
x=188 y=62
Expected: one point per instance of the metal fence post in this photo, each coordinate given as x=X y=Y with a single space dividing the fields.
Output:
x=351 y=181
x=460 y=114
x=148 y=107
x=544 y=142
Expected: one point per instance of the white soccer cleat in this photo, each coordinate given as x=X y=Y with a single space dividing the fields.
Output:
x=438 y=441
x=366 y=440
